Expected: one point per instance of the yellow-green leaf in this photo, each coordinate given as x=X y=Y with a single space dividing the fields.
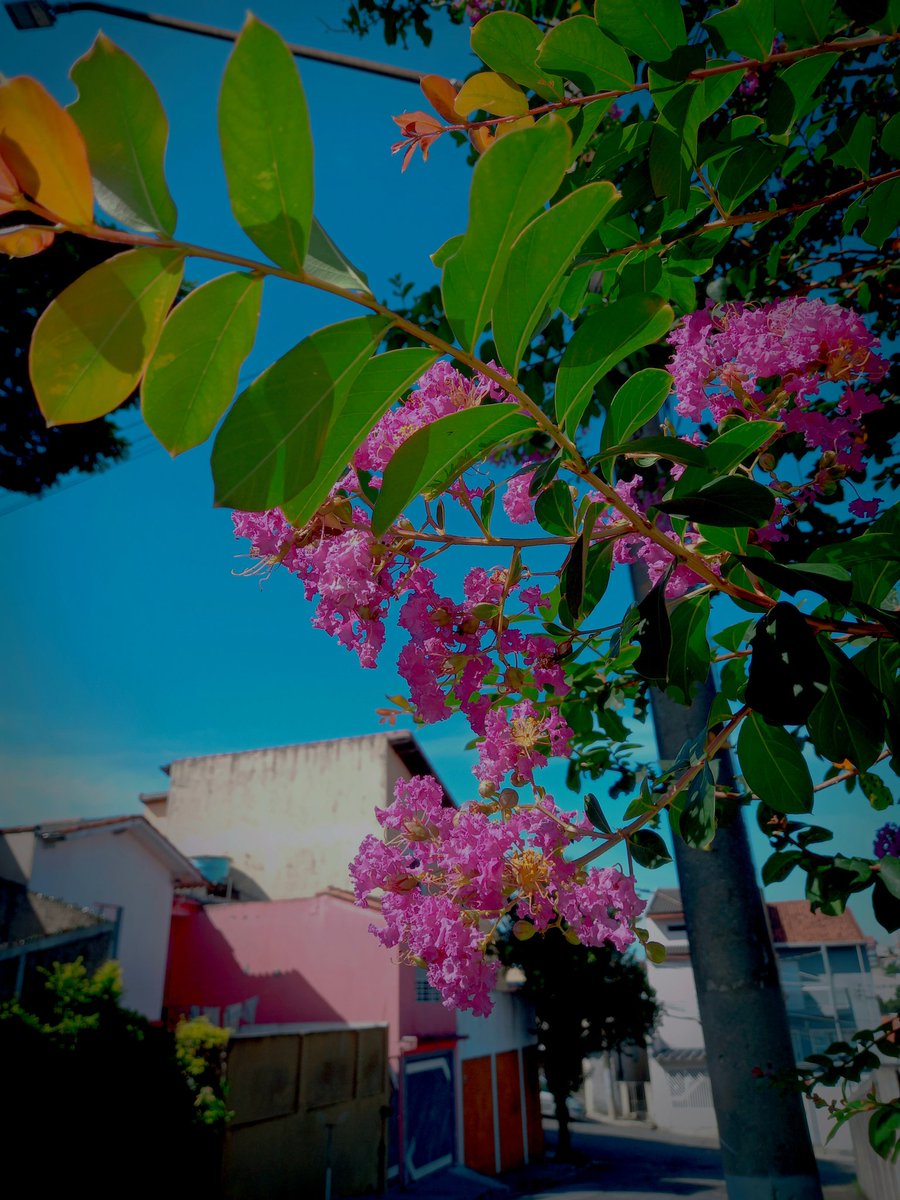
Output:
x=91 y=346
x=193 y=375
x=123 y=123
x=42 y=146
x=493 y=93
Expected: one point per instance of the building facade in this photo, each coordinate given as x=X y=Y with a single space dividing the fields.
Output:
x=823 y=964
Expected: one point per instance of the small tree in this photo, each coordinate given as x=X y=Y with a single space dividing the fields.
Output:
x=586 y=999
x=103 y=1085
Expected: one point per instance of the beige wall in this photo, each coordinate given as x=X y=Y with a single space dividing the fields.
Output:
x=289 y=1086
x=290 y=818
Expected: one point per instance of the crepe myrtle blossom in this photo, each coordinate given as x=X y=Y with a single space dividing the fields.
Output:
x=772 y=361
x=448 y=876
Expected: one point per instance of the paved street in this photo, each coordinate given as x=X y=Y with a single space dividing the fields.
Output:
x=616 y=1162
x=634 y=1163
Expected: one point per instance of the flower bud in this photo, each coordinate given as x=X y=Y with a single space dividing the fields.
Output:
x=486 y=789
x=767 y=462
x=508 y=798
x=523 y=930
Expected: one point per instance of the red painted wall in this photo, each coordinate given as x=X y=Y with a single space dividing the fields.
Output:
x=306 y=960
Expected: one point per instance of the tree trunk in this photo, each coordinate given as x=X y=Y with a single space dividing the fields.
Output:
x=564 y=1140
x=766 y=1148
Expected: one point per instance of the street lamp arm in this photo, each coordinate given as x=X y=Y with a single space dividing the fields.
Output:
x=40 y=15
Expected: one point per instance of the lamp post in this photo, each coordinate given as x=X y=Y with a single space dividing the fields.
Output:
x=38 y=14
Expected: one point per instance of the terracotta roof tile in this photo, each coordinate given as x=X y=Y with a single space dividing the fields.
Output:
x=794 y=921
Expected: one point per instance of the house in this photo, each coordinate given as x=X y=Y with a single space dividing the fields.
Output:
x=37 y=931
x=283 y=942
x=823 y=963
x=121 y=868
x=289 y=818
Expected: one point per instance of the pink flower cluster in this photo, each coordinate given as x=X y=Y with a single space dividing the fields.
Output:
x=449 y=875
x=728 y=358
x=356 y=578
x=442 y=390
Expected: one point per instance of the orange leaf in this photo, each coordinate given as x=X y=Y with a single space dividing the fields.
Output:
x=24 y=240
x=10 y=192
x=480 y=139
x=441 y=95
x=43 y=148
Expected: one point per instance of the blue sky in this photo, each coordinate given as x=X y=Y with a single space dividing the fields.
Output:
x=130 y=642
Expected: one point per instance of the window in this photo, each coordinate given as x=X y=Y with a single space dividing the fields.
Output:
x=425 y=993
x=844 y=960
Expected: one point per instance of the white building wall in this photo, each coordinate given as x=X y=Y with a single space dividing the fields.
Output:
x=676 y=994
x=509 y=1027
x=290 y=818
x=107 y=868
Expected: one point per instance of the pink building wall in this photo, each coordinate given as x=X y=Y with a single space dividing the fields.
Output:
x=311 y=959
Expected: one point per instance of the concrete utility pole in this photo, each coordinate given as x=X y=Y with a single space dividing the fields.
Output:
x=766 y=1149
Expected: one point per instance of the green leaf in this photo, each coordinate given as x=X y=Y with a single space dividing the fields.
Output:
x=539 y=259
x=778 y=866
x=653 y=29
x=578 y=51
x=92 y=344
x=854 y=149
x=689 y=656
x=848 y=722
x=325 y=261
x=730 y=449
x=594 y=813
x=379 y=384
x=596 y=578
x=748 y=27
x=553 y=509
x=829 y=580
x=508 y=42
x=788 y=669
x=890 y=137
x=884 y=1130
x=270 y=444
x=602 y=340
x=423 y=458
x=193 y=374
x=636 y=402
x=883 y=210
x=695 y=819
x=515 y=177
x=124 y=127
x=876 y=791
x=267 y=145
x=648 y=849
x=672 y=449
x=804 y=22
x=745 y=172
x=889 y=873
x=732 y=500
x=655 y=951
x=574 y=574
x=792 y=91
x=886 y=907
x=734 y=636
x=653 y=633
x=773 y=766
